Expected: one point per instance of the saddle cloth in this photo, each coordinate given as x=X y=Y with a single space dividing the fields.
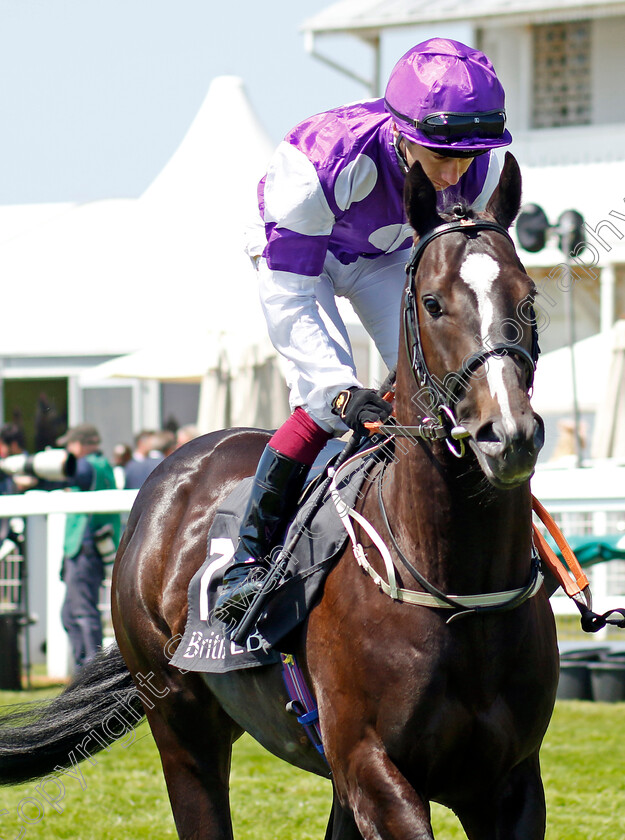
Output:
x=205 y=645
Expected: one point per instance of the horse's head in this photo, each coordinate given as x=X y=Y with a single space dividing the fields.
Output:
x=470 y=329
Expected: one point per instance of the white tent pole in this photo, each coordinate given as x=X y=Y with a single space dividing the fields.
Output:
x=607 y=289
x=570 y=319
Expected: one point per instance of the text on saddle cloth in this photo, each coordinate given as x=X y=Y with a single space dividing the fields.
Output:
x=205 y=645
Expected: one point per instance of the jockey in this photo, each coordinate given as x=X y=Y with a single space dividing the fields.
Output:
x=333 y=224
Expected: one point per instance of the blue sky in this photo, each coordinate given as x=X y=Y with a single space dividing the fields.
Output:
x=97 y=94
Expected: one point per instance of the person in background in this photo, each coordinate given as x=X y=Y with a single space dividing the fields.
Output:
x=145 y=457
x=185 y=434
x=90 y=541
x=122 y=454
x=12 y=442
x=165 y=442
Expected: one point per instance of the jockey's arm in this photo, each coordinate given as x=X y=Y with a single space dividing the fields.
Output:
x=298 y=224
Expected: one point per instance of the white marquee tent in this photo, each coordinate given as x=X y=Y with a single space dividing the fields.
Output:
x=164 y=276
x=599 y=363
x=111 y=276
x=609 y=435
x=553 y=383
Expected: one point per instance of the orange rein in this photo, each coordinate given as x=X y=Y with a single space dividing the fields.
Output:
x=572 y=585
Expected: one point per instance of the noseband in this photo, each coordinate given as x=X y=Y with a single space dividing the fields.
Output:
x=443 y=395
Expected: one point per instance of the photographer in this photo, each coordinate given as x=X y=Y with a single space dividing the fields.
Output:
x=90 y=542
x=11 y=530
x=12 y=443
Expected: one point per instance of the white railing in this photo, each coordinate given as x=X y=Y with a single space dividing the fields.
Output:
x=590 y=501
x=45 y=514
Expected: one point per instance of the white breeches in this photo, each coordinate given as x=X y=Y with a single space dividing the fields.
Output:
x=306 y=328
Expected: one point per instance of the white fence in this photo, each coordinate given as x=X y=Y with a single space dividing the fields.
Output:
x=587 y=501
x=45 y=514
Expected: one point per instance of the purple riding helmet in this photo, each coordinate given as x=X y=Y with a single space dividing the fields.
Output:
x=446 y=96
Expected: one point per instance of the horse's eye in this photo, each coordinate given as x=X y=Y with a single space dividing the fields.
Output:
x=432 y=306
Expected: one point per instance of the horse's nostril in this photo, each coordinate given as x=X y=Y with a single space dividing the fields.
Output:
x=539 y=432
x=487 y=433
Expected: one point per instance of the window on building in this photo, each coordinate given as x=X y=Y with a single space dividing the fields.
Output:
x=562 y=83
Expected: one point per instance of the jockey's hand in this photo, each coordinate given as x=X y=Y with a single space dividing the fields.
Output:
x=357 y=406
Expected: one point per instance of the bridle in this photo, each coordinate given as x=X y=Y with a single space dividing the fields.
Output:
x=443 y=395
x=441 y=425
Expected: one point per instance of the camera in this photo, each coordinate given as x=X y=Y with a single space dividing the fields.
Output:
x=50 y=465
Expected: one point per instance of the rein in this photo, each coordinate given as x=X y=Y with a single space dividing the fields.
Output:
x=570 y=576
x=444 y=426
x=444 y=395
x=462 y=605
x=517 y=597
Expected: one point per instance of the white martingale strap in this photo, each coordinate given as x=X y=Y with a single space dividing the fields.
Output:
x=408 y=596
x=347 y=513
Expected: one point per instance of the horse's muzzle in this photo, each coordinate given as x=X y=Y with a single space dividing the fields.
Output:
x=508 y=456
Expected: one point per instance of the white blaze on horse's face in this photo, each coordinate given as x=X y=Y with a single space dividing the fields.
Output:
x=479 y=272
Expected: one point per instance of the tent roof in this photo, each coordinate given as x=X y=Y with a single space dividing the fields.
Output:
x=111 y=276
x=369 y=16
x=191 y=357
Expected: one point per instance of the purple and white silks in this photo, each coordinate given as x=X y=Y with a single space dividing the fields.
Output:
x=332 y=205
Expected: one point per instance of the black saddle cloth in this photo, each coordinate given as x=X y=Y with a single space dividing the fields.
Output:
x=205 y=645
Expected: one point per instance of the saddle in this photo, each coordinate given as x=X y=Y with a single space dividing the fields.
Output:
x=318 y=537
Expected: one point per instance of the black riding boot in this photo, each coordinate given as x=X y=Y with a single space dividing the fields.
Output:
x=278 y=482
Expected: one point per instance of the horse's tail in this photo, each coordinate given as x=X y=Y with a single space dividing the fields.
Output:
x=37 y=739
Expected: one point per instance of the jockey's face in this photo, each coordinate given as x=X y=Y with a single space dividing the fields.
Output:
x=442 y=171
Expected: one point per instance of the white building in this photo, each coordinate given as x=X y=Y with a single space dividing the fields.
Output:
x=561 y=63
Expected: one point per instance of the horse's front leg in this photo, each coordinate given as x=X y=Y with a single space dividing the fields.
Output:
x=341 y=825
x=383 y=803
x=515 y=811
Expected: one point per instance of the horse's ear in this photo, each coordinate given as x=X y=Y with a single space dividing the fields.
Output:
x=420 y=200
x=505 y=202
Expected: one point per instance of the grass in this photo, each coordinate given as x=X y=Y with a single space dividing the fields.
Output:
x=125 y=796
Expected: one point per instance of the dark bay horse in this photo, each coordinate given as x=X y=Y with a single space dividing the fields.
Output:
x=413 y=707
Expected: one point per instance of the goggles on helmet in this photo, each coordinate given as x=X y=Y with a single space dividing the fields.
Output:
x=452 y=125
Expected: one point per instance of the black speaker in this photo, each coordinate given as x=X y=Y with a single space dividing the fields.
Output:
x=531 y=228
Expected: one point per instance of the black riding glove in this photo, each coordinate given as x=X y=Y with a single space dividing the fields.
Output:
x=357 y=406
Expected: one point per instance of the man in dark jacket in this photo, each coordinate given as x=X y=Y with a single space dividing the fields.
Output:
x=90 y=541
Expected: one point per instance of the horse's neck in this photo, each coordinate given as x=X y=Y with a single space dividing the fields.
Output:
x=463 y=533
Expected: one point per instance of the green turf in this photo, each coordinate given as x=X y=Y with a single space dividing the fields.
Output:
x=125 y=797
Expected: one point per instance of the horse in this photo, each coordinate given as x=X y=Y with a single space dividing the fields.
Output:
x=446 y=701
